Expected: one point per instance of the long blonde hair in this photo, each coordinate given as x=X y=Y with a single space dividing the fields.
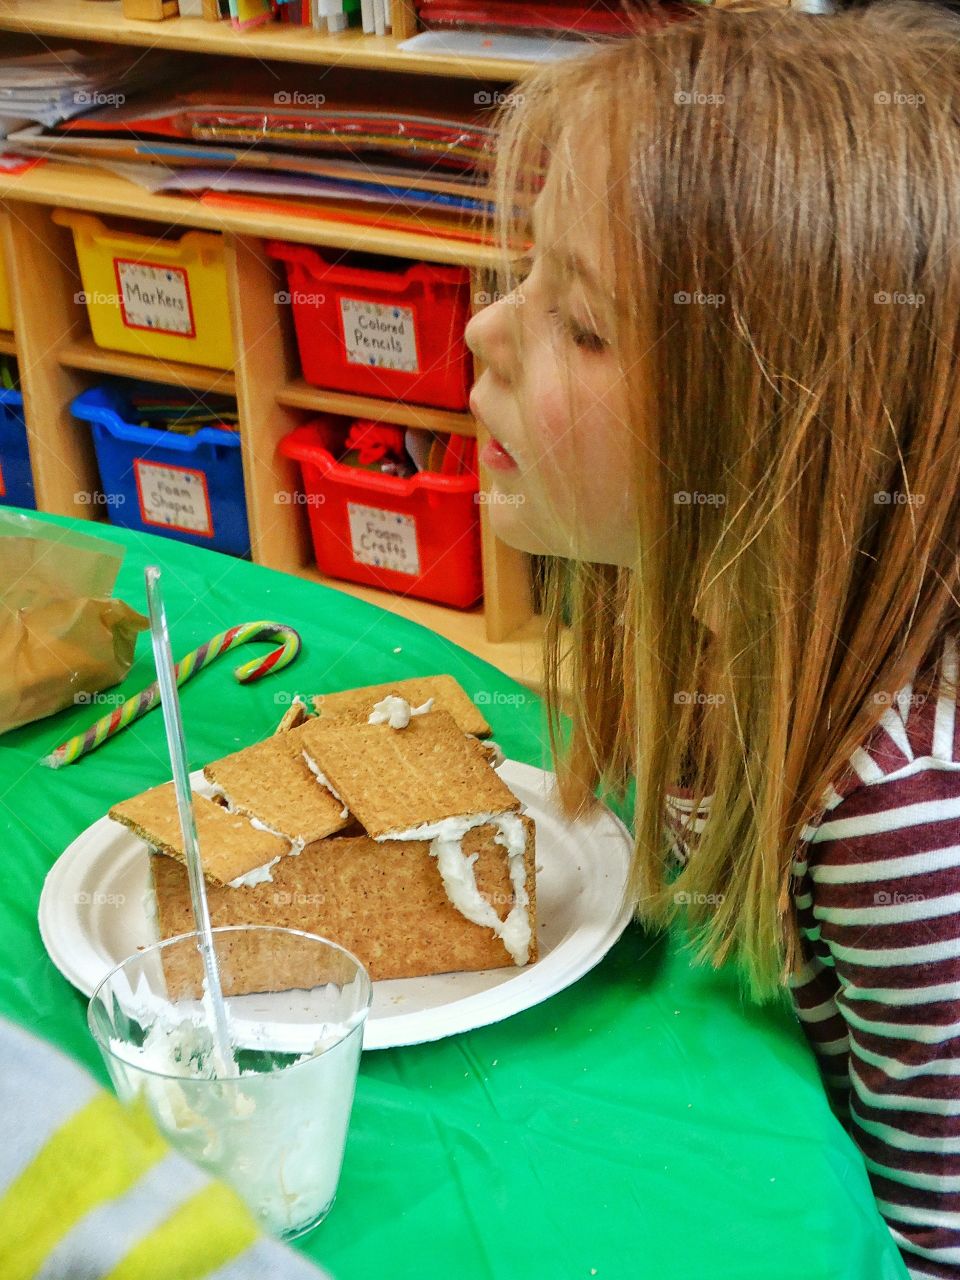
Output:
x=797 y=178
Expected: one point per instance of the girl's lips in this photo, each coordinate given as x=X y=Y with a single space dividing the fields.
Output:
x=494 y=456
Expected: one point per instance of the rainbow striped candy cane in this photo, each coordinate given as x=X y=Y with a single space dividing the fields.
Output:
x=147 y=699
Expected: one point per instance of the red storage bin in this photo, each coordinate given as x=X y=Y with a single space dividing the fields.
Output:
x=396 y=334
x=418 y=536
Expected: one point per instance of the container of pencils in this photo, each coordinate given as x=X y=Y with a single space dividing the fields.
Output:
x=152 y=296
x=16 y=475
x=380 y=326
x=416 y=535
x=169 y=462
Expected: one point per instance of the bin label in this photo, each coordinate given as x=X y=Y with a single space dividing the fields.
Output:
x=173 y=497
x=384 y=538
x=154 y=297
x=379 y=334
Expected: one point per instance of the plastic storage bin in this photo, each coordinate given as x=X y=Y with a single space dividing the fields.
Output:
x=161 y=298
x=419 y=536
x=395 y=334
x=189 y=487
x=6 y=307
x=16 y=478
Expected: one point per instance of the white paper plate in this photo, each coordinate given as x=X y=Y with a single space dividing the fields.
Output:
x=92 y=917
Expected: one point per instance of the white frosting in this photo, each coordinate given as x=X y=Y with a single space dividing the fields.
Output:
x=324 y=781
x=149 y=901
x=295 y=842
x=459 y=879
x=396 y=711
x=276 y=1136
x=256 y=876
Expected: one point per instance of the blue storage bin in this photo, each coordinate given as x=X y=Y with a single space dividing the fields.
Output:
x=16 y=478
x=189 y=487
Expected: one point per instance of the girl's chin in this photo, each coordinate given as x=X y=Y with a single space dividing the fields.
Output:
x=509 y=524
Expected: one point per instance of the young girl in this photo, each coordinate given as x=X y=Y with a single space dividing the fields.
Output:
x=721 y=387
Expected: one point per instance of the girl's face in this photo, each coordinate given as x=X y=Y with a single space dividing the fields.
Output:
x=551 y=394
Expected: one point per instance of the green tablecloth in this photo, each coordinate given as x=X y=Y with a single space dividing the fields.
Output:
x=643 y=1124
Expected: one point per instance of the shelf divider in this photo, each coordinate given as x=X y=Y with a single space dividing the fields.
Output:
x=265 y=346
x=43 y=284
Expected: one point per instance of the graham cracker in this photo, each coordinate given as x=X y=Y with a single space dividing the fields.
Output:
x=353 y=706
x=394 y=780
x=270 y=781
x=384 y=902
x=229 y=845
x=296 y=714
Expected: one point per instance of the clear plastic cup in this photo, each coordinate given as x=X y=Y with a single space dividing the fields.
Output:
x=276 y=1131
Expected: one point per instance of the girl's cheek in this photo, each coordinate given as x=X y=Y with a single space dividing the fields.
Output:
x=550 y=416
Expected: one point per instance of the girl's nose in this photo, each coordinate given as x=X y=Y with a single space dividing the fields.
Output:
x=489 y=336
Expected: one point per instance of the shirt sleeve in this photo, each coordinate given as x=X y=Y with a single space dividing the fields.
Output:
x=89 y=1188
x=885 y=871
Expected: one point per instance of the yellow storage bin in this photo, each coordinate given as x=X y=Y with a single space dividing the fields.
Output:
x=6 y=308
x=161 y=298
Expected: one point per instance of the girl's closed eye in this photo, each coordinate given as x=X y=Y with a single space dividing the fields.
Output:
x=586 y=339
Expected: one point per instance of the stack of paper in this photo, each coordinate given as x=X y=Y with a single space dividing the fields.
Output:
x=424 y=151
x=52 y=81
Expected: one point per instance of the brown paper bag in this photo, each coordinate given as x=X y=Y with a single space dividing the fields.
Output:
x=60 y=633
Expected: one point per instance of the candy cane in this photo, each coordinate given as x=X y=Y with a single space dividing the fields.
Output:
x=137 y=706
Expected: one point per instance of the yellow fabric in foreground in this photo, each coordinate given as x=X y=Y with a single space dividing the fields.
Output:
x=99 y=1153
x=208 y=1231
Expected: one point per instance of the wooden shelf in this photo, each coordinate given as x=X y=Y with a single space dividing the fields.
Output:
x=301 y=395
x=85 y=354
x=57 y=354
x=84 y=20
x=76 y=186
x=8 y=343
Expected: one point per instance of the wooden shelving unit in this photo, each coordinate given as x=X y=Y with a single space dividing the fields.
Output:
x=83 y=353
x=86 y=20
x=301 y=395
x=58 y=358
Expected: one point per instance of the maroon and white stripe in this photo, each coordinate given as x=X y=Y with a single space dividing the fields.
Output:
x=877 y=894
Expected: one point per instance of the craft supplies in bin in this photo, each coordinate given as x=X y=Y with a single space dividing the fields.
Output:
x=16 y=476
x=380 y=326
x=418 y=535
x=165 y=464
x=165 y=298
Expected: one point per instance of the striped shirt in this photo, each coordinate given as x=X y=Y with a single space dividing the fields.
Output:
x=876 y=888
x=90 y=1191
